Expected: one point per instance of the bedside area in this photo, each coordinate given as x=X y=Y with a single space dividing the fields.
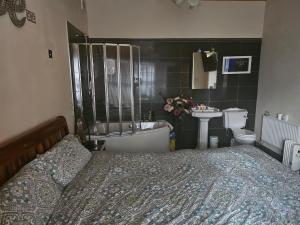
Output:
x=95 y=146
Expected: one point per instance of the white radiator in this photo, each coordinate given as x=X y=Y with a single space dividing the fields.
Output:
x=287 y=152
x=275 y=132
x=291 y=155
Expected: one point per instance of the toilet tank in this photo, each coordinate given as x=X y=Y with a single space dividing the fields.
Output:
x=234 y=118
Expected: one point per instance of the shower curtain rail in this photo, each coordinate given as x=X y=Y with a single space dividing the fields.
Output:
x=92 y=72
x=139 y=79
x=131 y=91
x=119 y=89
x=106 y=89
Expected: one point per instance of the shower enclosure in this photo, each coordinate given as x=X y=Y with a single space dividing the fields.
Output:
x=106 y=87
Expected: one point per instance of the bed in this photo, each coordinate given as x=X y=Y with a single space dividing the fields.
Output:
x=239 y=185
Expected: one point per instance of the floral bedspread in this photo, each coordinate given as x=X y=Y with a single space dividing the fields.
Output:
x=239 y=185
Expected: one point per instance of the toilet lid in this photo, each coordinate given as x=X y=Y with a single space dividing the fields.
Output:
x=243 y=133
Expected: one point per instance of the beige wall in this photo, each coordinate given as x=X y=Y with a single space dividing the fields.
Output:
x=163 y=19
x=34 y=88
x=279 y=79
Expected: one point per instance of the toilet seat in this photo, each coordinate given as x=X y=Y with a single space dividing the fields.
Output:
x=243 y=133
x=244 y=136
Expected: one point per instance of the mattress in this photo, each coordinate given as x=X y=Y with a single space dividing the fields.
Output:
x=238 y=185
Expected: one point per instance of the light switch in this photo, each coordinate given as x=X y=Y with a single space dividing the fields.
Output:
x=50 y=54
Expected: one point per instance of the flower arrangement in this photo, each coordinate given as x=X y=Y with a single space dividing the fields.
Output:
x=178 y=106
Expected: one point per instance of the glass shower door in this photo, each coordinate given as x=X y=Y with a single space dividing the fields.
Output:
x=107 y=87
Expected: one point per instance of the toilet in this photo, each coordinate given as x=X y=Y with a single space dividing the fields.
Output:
x=235 y=119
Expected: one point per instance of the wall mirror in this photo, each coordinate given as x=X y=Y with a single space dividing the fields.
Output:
x=204 y=72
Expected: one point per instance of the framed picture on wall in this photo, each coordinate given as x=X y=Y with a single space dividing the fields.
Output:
x=237 y=64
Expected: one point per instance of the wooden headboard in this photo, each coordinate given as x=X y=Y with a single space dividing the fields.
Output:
x=20 y=150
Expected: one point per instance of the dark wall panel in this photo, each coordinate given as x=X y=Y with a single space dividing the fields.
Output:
x=166 y=66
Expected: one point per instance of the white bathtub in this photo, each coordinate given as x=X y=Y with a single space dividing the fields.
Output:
x=152 y=137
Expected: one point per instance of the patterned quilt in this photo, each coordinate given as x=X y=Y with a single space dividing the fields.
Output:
x=239 y=185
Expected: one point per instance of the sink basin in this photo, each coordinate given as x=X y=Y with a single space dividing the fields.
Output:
x=204 y=117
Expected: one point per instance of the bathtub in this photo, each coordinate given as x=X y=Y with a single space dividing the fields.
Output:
x=148 y=137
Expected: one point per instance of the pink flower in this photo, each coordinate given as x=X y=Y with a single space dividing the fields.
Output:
x=202 y=107
x=168 y=108
x=184 y=100
x=170 y=101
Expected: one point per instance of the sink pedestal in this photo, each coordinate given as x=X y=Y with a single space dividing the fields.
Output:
x=202 y=133
x=204 y=118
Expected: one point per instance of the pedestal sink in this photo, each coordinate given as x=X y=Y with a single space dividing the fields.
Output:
x=204 y=118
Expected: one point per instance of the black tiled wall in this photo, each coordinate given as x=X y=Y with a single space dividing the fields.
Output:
x=166 y=66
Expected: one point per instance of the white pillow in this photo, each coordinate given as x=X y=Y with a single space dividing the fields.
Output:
x=29 y=197
x=66 y=159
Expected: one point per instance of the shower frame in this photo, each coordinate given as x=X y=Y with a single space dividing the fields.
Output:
x=77 y=77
